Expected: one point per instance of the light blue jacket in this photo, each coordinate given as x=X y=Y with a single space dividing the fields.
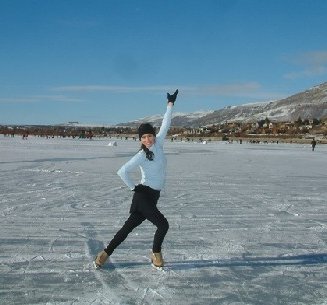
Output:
x=153 y=172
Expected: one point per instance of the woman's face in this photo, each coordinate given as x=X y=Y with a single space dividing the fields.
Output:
x=148 y=139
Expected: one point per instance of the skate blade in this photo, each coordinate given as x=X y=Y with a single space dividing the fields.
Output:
x=158 y=268
x=96 y=266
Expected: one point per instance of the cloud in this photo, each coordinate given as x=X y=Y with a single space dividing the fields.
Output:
x=39 y=98
x=238 y=89
x=250 y=90
x=112 y=89
x=312 y=64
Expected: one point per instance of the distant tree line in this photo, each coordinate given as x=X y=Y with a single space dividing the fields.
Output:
x=235 y=129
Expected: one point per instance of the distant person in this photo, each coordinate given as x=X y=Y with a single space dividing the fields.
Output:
x=152 y=162
x=313 y=144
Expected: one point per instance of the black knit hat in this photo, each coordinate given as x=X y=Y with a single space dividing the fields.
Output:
x=146 y=128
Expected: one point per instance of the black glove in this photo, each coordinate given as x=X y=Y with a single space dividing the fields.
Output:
x=172 y=98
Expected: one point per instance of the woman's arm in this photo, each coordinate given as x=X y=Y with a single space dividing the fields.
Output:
x=171 y=98
x=165 y=125
x=124 y=171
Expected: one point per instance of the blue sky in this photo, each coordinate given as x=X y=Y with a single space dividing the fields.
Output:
x=111 y=61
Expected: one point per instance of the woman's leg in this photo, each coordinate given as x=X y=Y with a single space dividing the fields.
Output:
x=134 y=220
x=158 y=219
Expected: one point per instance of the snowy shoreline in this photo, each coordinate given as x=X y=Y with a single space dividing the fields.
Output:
x=262 y=138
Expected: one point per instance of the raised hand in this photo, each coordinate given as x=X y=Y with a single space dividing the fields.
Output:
x=172 y=97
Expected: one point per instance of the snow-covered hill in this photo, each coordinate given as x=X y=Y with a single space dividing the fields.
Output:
x=309 y=104
x=179 y=119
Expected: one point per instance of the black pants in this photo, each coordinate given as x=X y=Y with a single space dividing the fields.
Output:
x=144 y=206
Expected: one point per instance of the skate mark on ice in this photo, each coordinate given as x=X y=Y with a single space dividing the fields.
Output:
x=92 y=247
x=112 y=281
x=301 y=260
x=73 y=233
x=180 y=196
x=147 y=292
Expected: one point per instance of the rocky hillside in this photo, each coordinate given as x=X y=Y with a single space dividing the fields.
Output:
x=309 y=104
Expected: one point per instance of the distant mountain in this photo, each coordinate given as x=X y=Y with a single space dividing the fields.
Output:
x=310 y=104
x=178 y=119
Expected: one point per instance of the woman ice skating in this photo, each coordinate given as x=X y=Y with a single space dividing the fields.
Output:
x=152 y=163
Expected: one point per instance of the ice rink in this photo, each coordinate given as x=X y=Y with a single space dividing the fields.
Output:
x=248 y=224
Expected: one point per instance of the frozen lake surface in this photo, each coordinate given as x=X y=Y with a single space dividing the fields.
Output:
x=248 y=224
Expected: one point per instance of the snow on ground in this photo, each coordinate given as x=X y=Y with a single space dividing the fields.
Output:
x=248 y=224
